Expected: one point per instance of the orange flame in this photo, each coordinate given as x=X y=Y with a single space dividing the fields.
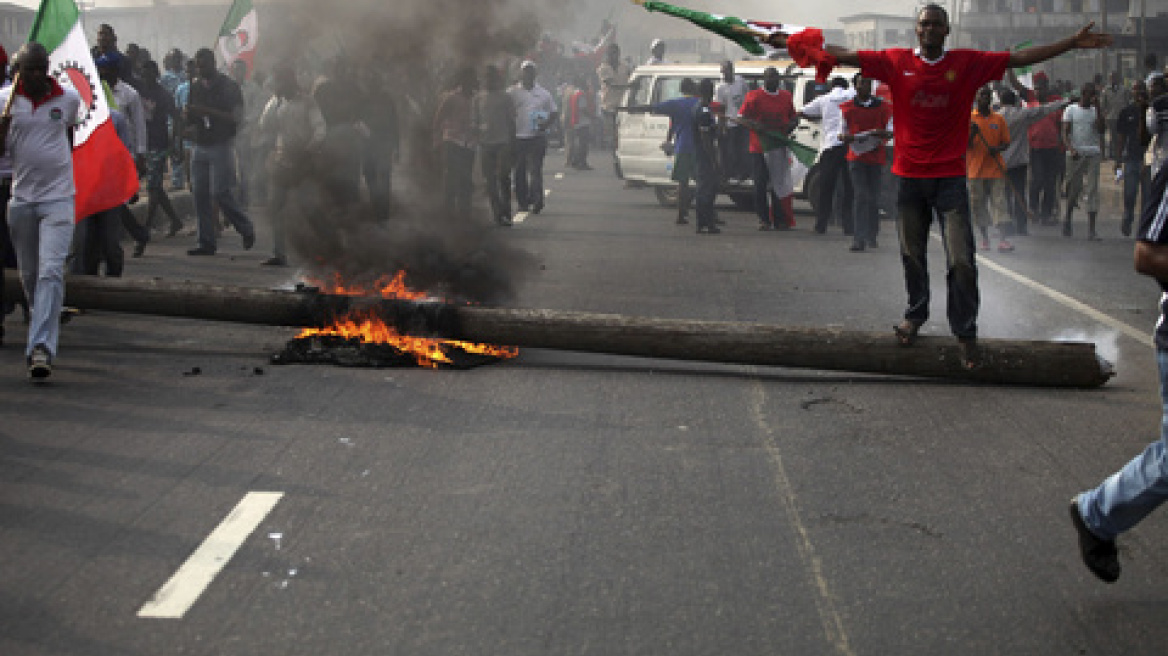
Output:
x=366 y=326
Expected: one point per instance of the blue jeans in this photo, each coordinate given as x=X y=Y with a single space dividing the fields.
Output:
x=529 y=154
x=1136 y=179
x=213 y=179
x=919 y=200
x=1131 y=493
x=41 y=235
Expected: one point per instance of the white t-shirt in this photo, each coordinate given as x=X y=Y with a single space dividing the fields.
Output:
x=827 y=108
x=38 y=142
x=731 y=95
x=532 y=109
x=1084 y=137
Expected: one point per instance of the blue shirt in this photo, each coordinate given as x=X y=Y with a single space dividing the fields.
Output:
x=681 y=112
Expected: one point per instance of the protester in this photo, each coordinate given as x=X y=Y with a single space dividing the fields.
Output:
x=989 y=137
x=159 y=111
x=247 y=145
x=7 y=255
x=580 y=113
x=172 y=77
x=656 y=53
x=933 y=88
x=734 y=141
x=1046 y=153
x=1082 y=133
x=38 y=135
x=183 y=131
x=338 y=95
x=614 y=80
x=1113 y=98
x=766 y=110
x=454 y=138
x=215 y=109
x=379 y=115
x=1019 y=120
x=535 y=112
x=833 y=164
x=494 y=121
x=1129 y=495
x=705 y=128
x=867 y=127
x=679 y=142
x=1131 y=145
x=107 y=44
x=292 y=122
x=1157 y=121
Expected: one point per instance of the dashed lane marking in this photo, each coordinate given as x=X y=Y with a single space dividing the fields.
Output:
x=176 y=597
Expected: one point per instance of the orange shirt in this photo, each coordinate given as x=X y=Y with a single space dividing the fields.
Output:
x=979 y=163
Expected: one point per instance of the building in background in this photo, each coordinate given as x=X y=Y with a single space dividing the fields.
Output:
x=878 y=31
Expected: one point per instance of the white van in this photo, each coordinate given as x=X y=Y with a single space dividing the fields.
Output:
x=639 y=158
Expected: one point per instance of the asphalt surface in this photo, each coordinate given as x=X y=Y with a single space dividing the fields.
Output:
x=563 y=503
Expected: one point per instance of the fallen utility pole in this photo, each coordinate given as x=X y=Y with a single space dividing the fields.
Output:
x=1012 y=362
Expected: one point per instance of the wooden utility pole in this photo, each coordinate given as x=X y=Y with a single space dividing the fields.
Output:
x=1015 y=362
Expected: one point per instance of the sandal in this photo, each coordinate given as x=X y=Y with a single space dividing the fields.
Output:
x=906 y=332
x=970 y=353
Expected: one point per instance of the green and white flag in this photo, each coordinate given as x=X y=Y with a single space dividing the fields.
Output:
x=104 y=173
x=239 y=35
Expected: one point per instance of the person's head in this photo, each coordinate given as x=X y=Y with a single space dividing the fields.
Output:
x=728 y=70
x=191 y=69
x=32 y=64
x=174 y=60
x=613 y=55
x=771 y=79
x=985 y=100
x=133 y=52
x=657 y=48
x=863 y=87
x=239 y=71
x=706 y=90
x=527 y=73
x=1157 y=87
x=108 y=67
x=493 y=78
x=1088 y=94
x=839 y=82
x=688 y=87
x=465 y=81
x=1041 y=81
x=932 y=26
x=205 y=64
x=107 y=41
x=150 y=72
x=1008 y=98
x=284 y=82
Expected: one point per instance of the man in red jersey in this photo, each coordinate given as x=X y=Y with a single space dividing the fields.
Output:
x=933 y=89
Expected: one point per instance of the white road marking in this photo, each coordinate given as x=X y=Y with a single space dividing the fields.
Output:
x=1141 y=336
x=520 y=217
x=176 y=597
x=559 y=176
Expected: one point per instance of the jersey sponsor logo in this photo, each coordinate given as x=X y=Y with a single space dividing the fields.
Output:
x=950 y=75
x=930 y=100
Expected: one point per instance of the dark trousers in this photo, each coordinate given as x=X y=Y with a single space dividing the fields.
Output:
x=865 y=179
x=764 y=199
x=496 y=165
x=921 y=199
x=580 y=137
x=459 y=169
x=833 y=170
x=1136 y=179
x=1045 y=164
x=98 y=238
x=377 y=169
x=707 y=192
x=1016 y=197
x=529 y=154
x=735 y=151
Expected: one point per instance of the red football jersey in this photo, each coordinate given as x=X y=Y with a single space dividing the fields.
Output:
x=931 y=104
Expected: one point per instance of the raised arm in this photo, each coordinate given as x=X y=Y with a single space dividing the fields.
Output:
x=843 y=55
x=1084 y=39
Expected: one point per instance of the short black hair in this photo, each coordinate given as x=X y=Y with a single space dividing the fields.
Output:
x=1008 y=97
x=839 y=81
x=688 y=86
x=932 y=6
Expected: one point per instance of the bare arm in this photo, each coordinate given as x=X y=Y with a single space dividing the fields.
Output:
x=1083 y=39
x=1151 y=259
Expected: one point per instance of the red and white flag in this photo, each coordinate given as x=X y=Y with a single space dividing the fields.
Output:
x=239 y=35
x=104 y=173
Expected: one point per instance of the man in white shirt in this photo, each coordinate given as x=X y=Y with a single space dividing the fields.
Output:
x=293 y=123
x=657 y=52
x=614 y=80
x=535 y=111
x=832 y=166
x=735 y=141
x=1083 y=127
x=39 y=137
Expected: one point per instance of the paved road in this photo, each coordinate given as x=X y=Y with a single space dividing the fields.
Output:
x=577 y=504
